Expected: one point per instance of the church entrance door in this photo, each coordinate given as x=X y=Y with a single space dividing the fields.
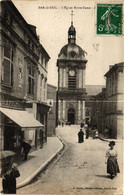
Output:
x=71 y=116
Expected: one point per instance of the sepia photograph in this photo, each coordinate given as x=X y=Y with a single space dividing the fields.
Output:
x=61 y=97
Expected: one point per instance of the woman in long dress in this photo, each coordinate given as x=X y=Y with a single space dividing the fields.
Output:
x=112 y=164
x=80 y=136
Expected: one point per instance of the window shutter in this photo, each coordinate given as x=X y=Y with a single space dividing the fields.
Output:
x=12 y=80
x=7 y=72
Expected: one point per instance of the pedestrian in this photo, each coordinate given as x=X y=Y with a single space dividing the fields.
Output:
x=62 y=124
x=85 y=125
x=96 y=134
x=87 y=133
x=80 y=136
x=106 y=131
x=82 y=124
x=112 y=164
x=25 y=149
x=9 y=174
x=110 y=132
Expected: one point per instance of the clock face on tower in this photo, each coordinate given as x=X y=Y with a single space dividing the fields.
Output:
x=72 y=73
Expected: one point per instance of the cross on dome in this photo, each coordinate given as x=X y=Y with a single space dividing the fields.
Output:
x=71 y=31
x=72 y=17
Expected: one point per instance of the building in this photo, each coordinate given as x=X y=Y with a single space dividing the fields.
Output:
x=108 y=105
x=90 y=107
x=99 y=111
x=115 y=99
x=51 y=98
x=23 y=81
x=71 y=93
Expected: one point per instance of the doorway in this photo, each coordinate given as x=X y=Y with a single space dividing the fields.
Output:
x=71 y=116
x=9 y=138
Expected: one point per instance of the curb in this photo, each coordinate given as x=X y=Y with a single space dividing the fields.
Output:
x=42 y=167
x=108 y=140
x=103 y=139
x=63 y=142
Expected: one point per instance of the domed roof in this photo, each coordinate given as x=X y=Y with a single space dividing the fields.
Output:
x=72 y=51
x=71 y=29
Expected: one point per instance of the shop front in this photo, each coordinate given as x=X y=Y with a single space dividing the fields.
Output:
x=42 y=112
x=18 y=125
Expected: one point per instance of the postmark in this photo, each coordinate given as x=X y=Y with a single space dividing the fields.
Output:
x=109 y=19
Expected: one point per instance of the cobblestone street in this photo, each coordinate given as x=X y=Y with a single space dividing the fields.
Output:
x=81 y=169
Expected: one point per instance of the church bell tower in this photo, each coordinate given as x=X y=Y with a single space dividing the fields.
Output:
x=71 y=93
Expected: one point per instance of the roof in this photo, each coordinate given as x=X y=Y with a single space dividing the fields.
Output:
x=21 y=118
x=51 y=86
x=94 y=89
x=25 y=25
x=16 y=11
x=114 y=67
x=72 y=51
x=71 y=29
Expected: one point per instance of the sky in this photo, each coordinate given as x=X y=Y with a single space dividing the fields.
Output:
x=53 y=19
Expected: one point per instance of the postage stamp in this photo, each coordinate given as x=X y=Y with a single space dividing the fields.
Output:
x=109 y=19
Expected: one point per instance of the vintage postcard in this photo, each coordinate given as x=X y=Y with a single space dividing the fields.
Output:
x=61 y=96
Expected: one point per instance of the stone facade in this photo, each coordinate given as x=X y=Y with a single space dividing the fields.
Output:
x=115 y=97
x=23 y=74
x=109 y=103
x=51 y=99
x=71 y=93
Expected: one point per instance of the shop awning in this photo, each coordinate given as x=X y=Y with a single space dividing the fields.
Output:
x=22 y=118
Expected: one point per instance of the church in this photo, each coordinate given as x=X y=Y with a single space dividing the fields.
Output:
x=71 y=92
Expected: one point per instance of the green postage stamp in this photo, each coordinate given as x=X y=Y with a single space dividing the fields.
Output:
x=109 y=19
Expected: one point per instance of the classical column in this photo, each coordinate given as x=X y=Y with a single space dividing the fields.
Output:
x=64 y=77
x=80 y=78
x=60 y=77
x=59 y=110
x=120 y=82
x=83 y=110
x=79 y=110
x=120 y=89
x=83 y=76
x=63 y=116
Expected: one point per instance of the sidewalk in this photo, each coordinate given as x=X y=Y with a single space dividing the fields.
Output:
x=101 y=136
x=38 y=160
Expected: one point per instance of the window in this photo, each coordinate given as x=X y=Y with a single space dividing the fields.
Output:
x=45 y=64
x=29 y=42
x=41 y=80
x=7 y=66
x=32 y=47
x=41 y=84
x=5 y=15
x=42 y=59
x=45 y=82
x=11 y=21
x=72 y=82
x=31 y=80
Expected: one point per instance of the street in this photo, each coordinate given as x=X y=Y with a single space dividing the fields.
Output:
x=80 y=170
